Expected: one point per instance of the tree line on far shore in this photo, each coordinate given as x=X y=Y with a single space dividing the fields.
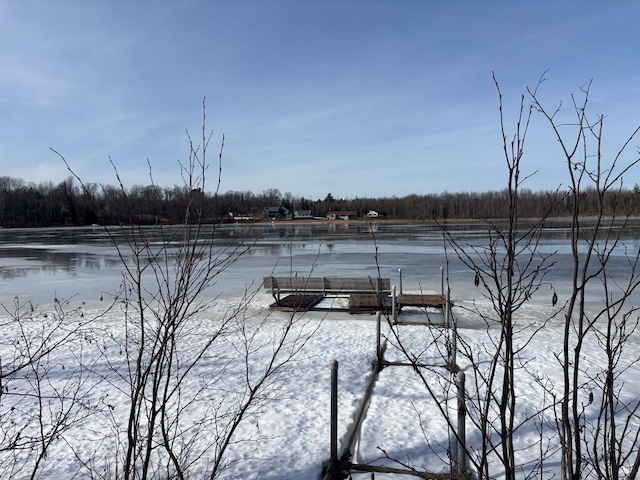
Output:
x=26 y=204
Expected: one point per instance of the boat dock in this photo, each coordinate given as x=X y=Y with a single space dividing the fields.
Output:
x=348 y=294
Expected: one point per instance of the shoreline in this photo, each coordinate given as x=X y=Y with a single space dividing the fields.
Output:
x=326 y=221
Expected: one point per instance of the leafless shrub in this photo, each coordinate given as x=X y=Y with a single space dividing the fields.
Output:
x=42 y=399
x=185 y=375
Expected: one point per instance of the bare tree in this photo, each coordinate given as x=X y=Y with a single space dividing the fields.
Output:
x=589 y=421
x=599 y=427
x=186 y=388
x=593 y=412
x=509 y=269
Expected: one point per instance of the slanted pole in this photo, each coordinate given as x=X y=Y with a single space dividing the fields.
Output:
x=461 y=440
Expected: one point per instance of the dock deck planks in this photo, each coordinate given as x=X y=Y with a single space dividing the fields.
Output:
x=297 y=303
x=369 y=303
x=421 y=300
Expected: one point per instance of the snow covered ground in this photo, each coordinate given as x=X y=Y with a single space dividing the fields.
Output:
x=289 y=437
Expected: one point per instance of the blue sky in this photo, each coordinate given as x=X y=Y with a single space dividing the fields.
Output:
x=356 y=98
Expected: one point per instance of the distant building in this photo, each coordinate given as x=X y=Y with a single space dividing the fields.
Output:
x=275 y=213
x=372 y=214
x=270 y=212
x=302 y=214
x=342 y=215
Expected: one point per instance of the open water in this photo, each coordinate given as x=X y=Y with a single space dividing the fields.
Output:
x=42 y=264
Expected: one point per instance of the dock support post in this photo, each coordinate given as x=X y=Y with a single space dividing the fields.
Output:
x=461 y=440
x=378 y=341
x=453 y=326
x=394 y=305
x=334 y=415
x=400 y=277
x=442 y=281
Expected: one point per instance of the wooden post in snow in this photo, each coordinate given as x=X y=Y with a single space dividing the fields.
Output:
x=400 y=279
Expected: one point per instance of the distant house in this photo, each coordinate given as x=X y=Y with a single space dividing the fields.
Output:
x=269 y=212
x=342 y=215
x=275 y=212
x=302 y=214
x=372 y=214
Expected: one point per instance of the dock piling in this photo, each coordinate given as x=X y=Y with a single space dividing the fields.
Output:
x=378 y=335
x=453 y=328
x=334 y=414
x=394 y=305
x=461 y=440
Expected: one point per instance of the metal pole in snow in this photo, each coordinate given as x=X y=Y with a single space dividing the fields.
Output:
x=394 y=307
x=462 y=413
x=400 y=275
x=334 y=414
x=378 y=345
x=452 y=324
x=442 y=281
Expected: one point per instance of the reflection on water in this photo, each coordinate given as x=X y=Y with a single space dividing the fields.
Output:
x=22 y=262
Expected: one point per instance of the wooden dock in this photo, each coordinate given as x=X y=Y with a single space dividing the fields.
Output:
x=364 y=294
x=297 y=303
x=355 y=295
x=420 y=300
x=369 y=303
